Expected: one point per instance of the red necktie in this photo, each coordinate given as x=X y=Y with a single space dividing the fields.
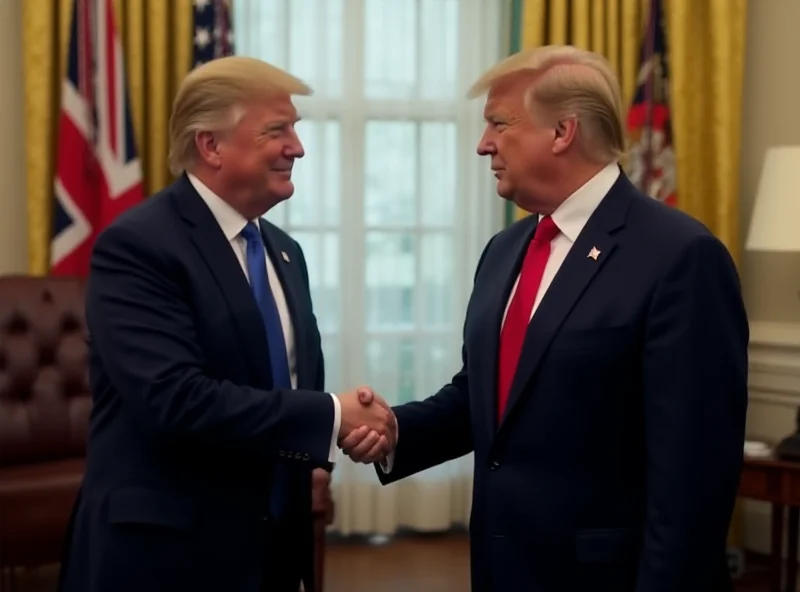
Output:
x=518 y=316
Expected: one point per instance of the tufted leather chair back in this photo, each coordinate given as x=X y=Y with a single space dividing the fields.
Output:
x=44 y=392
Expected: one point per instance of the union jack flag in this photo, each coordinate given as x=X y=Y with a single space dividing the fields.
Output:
x=98 y=173
x=651 y=164
x=213 y=31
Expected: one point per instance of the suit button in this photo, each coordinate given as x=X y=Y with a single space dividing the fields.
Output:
x=494 y=465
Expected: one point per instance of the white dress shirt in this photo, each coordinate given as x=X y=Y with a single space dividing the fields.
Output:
x=232 y=223
x=570 y=218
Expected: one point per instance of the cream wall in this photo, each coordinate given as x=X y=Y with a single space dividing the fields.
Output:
x=771 y=280
x=13 y=244
x=771 y=117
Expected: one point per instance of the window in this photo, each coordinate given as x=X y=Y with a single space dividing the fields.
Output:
x=392 y=205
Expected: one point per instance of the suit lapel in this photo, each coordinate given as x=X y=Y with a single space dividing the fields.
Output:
x=215 y=249
x=574 y=276
x=293 y=287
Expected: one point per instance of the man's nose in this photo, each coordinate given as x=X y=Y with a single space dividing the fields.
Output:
x=294 y=148
x=485 y=147
x=486 y=143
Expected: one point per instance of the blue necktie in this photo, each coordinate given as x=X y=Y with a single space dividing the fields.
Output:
x=259 y=283
x=279 y=362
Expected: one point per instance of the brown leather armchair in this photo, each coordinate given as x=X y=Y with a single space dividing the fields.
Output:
x=44 y=415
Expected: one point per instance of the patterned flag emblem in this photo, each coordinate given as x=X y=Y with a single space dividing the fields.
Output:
x=98 y=173
x=651 y=154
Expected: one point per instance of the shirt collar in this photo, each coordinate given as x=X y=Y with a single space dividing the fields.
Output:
x=573 y=214
x=230 y=221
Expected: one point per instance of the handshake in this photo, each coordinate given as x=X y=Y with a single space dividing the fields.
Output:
x=368 y=432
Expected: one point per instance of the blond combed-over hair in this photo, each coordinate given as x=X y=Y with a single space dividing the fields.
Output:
x=212 y=95
x=568 y=82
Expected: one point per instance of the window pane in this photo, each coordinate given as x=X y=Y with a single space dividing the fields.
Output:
x=390 y=367
x=390 y=279
x=391 y=48
x=260 y=30
x=301 y=36
x=403 y=369
x=331 y=351
x=439 y=44
x=321 y=252
x=435 y=364
x=438 y=161
x=437 y=281
x=390 y=170
x=316 y=44
x=317 y=176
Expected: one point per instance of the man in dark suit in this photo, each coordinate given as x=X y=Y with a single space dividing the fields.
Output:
x=205 y=363
x=604 y=380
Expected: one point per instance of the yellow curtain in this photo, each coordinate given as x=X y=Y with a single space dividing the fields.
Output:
x=706 y=51
x=157 y=43
x=706 y=48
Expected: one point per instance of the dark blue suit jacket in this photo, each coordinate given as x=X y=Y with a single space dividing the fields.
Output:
x=616 y=464
x=186 y=430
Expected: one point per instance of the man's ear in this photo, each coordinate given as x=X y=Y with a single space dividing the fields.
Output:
x=565 y=132
x=207 y=146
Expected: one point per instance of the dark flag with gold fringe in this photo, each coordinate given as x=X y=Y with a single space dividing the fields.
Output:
x=651 y=153
x=213 y=31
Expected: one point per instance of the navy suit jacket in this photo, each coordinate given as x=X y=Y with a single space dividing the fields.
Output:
x=616 y=463
x=186 y=430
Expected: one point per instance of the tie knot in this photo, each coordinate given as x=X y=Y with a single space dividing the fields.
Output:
x=546 y=230
x=251 y=234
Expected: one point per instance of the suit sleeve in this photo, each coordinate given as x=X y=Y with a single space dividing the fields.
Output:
x=432 y=431
x=142 y=324
x=695 y=400
x=436 y=430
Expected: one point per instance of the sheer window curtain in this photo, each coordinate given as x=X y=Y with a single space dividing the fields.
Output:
x=392 y=208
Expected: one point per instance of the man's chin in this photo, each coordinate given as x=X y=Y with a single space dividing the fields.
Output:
x=282 y=191
x=505 y=191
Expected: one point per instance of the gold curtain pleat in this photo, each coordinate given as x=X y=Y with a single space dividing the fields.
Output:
x=706 y=47
x=706 y=51
x=157 y=45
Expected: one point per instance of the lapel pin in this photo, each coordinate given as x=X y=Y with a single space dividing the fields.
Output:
x=285 y=256
x=594 y=253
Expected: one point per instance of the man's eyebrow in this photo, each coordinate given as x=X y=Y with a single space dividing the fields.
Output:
x=279 y=123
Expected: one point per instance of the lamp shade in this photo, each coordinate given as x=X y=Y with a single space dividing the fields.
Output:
x=775 y=225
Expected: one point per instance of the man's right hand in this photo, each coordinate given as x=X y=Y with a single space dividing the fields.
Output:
x=369 y=421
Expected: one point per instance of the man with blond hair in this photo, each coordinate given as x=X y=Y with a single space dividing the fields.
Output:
x=205 y=363
x=604 y=381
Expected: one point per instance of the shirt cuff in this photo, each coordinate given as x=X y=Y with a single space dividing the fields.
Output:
x=337 y=423
x=387 y=463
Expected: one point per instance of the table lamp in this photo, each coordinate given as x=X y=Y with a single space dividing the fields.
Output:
x=775 y=227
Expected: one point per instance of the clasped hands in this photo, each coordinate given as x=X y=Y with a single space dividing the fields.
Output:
x=368 y=432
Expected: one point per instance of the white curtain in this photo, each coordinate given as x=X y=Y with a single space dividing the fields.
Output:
x=392 y=208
